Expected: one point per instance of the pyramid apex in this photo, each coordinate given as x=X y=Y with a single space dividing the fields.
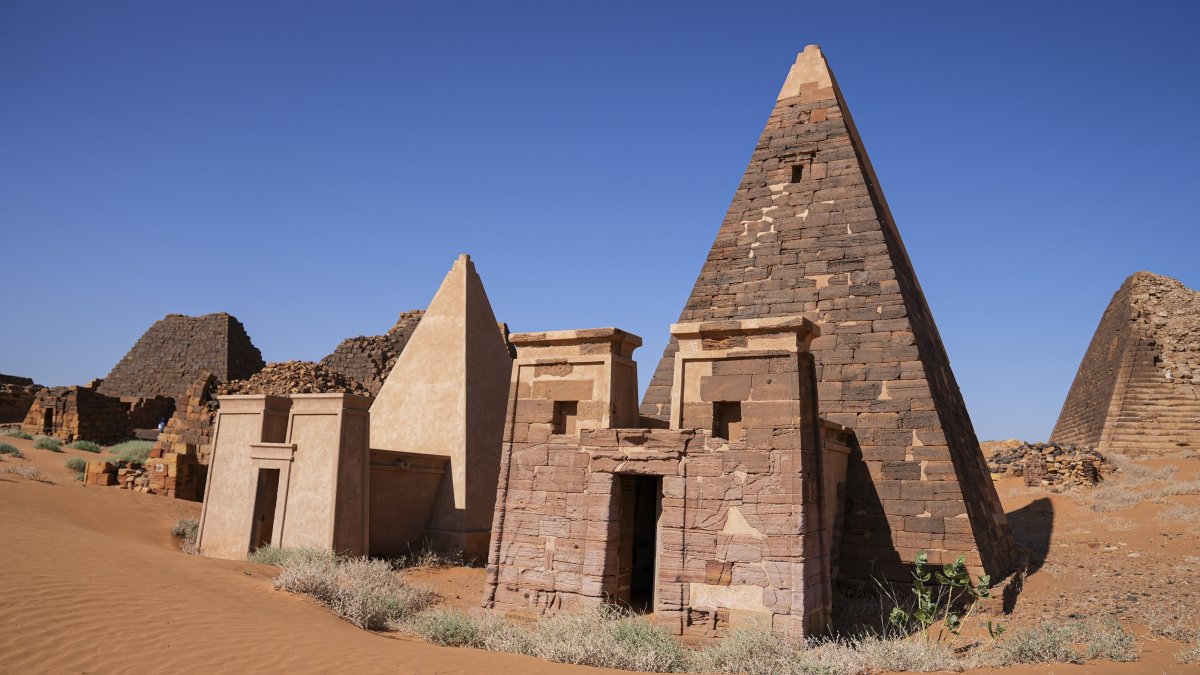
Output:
x=465 y=257
x=808 y=75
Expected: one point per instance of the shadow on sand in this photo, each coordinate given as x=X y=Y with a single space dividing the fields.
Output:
x=1032 y=526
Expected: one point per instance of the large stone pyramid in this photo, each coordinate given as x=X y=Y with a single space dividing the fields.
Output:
x=446 y=396
x=1136 y=389
x=809 y=233
x=169 y=356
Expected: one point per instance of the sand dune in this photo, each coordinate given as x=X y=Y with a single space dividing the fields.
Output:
x=91 y=581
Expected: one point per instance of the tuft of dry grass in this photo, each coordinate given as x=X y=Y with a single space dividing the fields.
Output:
x=365 y=592
x=27 y=472
x=187 y=530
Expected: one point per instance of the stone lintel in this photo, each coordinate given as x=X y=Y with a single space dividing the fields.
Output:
x=799 y=325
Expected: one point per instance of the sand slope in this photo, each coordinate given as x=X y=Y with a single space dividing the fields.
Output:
x=91 y=581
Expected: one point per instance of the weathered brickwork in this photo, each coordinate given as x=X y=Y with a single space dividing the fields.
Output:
x=179 y=459
x=1136 y=389
x=176 y=349
x=809 y=233
x=368 y=359
x=78 y=413
x=717 y=523
x=16 y=396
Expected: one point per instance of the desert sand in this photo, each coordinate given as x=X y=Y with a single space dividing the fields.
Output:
x=93 y=582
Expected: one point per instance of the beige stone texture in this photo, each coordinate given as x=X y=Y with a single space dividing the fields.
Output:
x=446 y=397
x=316 y=448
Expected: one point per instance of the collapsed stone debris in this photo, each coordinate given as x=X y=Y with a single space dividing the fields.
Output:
x=1049 y=464
x=1136 y=390
x=369 y=358
x=294 y=377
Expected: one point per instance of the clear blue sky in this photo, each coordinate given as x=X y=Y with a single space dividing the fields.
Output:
x=314 y=168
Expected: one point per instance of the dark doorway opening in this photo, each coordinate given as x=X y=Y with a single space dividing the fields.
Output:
x=48 y=422
x=641 y=505
x=265 y=496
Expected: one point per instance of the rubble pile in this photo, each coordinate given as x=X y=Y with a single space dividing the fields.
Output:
x=1048 y=463
x=295 y=377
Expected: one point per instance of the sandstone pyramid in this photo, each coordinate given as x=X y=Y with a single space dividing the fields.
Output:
x=169 y=356
x=1136 y=389
x=809 y=232
x=446 y=396
x=369 y=358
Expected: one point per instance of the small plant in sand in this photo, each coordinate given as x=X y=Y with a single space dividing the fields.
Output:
x=1055 y=642
x=47 y=443
x=186 y=529
x=1191 y=654
x=131 y=452
x=10 y=449
x=86 y=446
x=365 y=592
x=16 y=433
x=27 y=472
x=940 y=596
x=79 y=466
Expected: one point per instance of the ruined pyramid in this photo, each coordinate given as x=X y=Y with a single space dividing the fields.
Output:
x=809 y=232
x=1136 y=388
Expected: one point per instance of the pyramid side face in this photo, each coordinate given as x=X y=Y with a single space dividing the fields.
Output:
x=448 y=391
x=809 y=233
x=1135 y=390
x=167 y=358
x=421 y=407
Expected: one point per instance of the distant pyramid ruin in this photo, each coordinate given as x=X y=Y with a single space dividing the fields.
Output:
x=809 y=232
x=169 y=356
x=1136 y=388
x=368 y=359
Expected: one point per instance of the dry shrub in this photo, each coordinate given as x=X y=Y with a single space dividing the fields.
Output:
x=10 y=449
x=367 y=593
x=186 y=529
x=1189 y=655
x=1073 y=642
x=1187 y=514
x=27 y=472
x=47 y=443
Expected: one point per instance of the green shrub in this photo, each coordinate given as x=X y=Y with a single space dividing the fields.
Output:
x=86 y=446
x=16 y=433
x=10 y=449
x=77 y=464
x=133 y=452
x=47 y=443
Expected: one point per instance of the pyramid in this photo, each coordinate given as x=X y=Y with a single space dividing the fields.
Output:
x=446 y=396
x=809 y=233
x=168 y=357
x=1136 y=388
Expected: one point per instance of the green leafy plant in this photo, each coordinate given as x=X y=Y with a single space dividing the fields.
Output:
x=86 y=446
x=945 y=598
x=47 y=443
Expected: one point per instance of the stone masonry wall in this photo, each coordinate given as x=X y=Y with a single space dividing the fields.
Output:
x=809 y=233
x=176 y=349
x=16 y=396
x=369 y=359
x=78 y=413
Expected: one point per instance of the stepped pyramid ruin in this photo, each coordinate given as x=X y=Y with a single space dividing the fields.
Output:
x=446 y=397
x=169 y=356
x=809 y=232
x=1136 y=389
x=368 y=359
